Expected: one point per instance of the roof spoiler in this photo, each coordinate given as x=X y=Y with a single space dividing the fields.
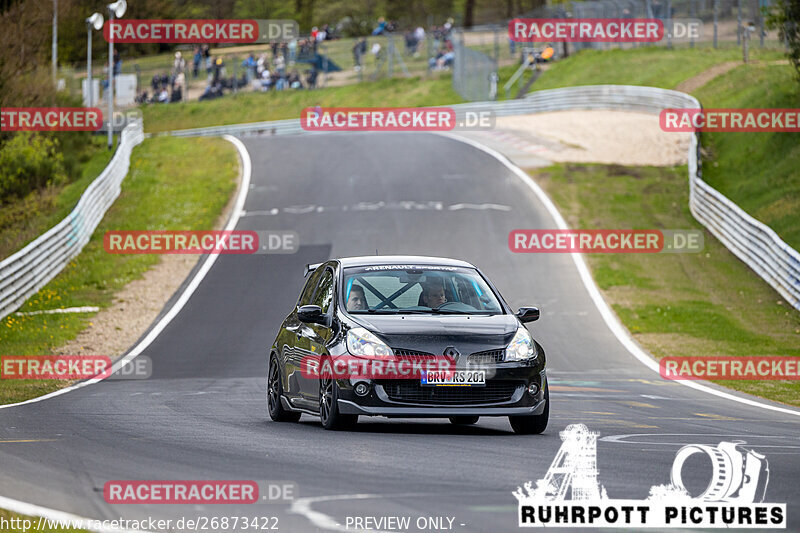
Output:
x=311 y=267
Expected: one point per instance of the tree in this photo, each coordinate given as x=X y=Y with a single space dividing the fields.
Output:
x=469 y=13
x=785 y=17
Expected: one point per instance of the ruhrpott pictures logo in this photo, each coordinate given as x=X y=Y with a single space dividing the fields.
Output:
x=733 y=498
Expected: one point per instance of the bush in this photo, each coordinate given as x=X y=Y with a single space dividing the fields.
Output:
x=29 y=161
x=785 y=16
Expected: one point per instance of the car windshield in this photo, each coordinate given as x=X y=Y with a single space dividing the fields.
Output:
x=409 y=289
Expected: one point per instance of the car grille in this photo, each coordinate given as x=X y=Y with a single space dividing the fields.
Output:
x=487 y=357
x=413 y=356
x=410 y=391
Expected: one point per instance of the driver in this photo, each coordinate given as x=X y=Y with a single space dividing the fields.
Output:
x=433 y=294
x=357 y=300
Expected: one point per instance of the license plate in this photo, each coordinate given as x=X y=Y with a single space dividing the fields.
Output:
x=454 y=378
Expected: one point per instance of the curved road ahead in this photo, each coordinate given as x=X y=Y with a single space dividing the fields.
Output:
x=203 y=414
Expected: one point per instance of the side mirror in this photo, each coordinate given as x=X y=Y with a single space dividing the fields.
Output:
x=310 y=314
x=528 y=314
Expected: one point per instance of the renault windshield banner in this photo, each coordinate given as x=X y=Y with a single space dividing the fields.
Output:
x=733 y=498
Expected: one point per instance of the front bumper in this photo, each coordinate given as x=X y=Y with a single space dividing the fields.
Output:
x=506 y=394
x=351 y=408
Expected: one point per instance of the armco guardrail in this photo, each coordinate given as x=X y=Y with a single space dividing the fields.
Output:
x=27 y=271
x=757 y=245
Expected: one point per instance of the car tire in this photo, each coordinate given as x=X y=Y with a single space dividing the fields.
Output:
x=274 y=392
x=329 y=413
x=464 y=420
x=532 y=424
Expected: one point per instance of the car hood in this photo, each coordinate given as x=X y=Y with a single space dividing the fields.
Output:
x=434 y=333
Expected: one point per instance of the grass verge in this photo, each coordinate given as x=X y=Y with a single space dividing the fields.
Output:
x=173 y=184
x=650 y=65
x=277 y=105
x=690 y=304
x=17 y=523
x=758 y=171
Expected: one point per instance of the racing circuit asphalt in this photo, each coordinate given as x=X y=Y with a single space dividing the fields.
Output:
x=203 y=415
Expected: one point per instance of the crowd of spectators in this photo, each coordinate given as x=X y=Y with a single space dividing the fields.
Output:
x=277 y=75
x=167 y=88
x=279 y=72
x=440 y=37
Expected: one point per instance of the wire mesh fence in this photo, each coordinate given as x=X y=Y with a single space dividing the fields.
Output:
x=474 y=73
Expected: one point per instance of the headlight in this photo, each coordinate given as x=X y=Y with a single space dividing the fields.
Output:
x=521 y=346
x=362 y=342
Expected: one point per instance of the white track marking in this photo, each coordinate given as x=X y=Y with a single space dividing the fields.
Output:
x=54 y=514
x=85 y=309
x=302 y=506
x=608 y=315
x=185 y=295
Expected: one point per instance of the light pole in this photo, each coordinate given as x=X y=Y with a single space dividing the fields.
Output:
x=116 y=9
x=96 y=22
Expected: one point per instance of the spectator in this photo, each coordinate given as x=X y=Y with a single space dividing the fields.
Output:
x=294 y=80
x=359 y=49
x=305 y=48
x=280 y=65
x=442 y=60
x=292 y=49
x=218 y=72
x=179 y=64
x=178 y=87
x=249 y=65
x=411 y=43
x=376 y=51
x=198 y=57
x=380 y=28
x=266 y=79
x=280 y=81
x=206 y=51
x=311 y=79
x=117 y=62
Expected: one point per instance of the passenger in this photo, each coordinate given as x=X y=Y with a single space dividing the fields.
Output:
x=357 y=300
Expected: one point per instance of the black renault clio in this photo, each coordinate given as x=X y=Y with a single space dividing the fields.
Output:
x=406 y=336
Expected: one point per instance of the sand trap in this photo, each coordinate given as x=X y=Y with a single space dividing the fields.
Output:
x=610 y=137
